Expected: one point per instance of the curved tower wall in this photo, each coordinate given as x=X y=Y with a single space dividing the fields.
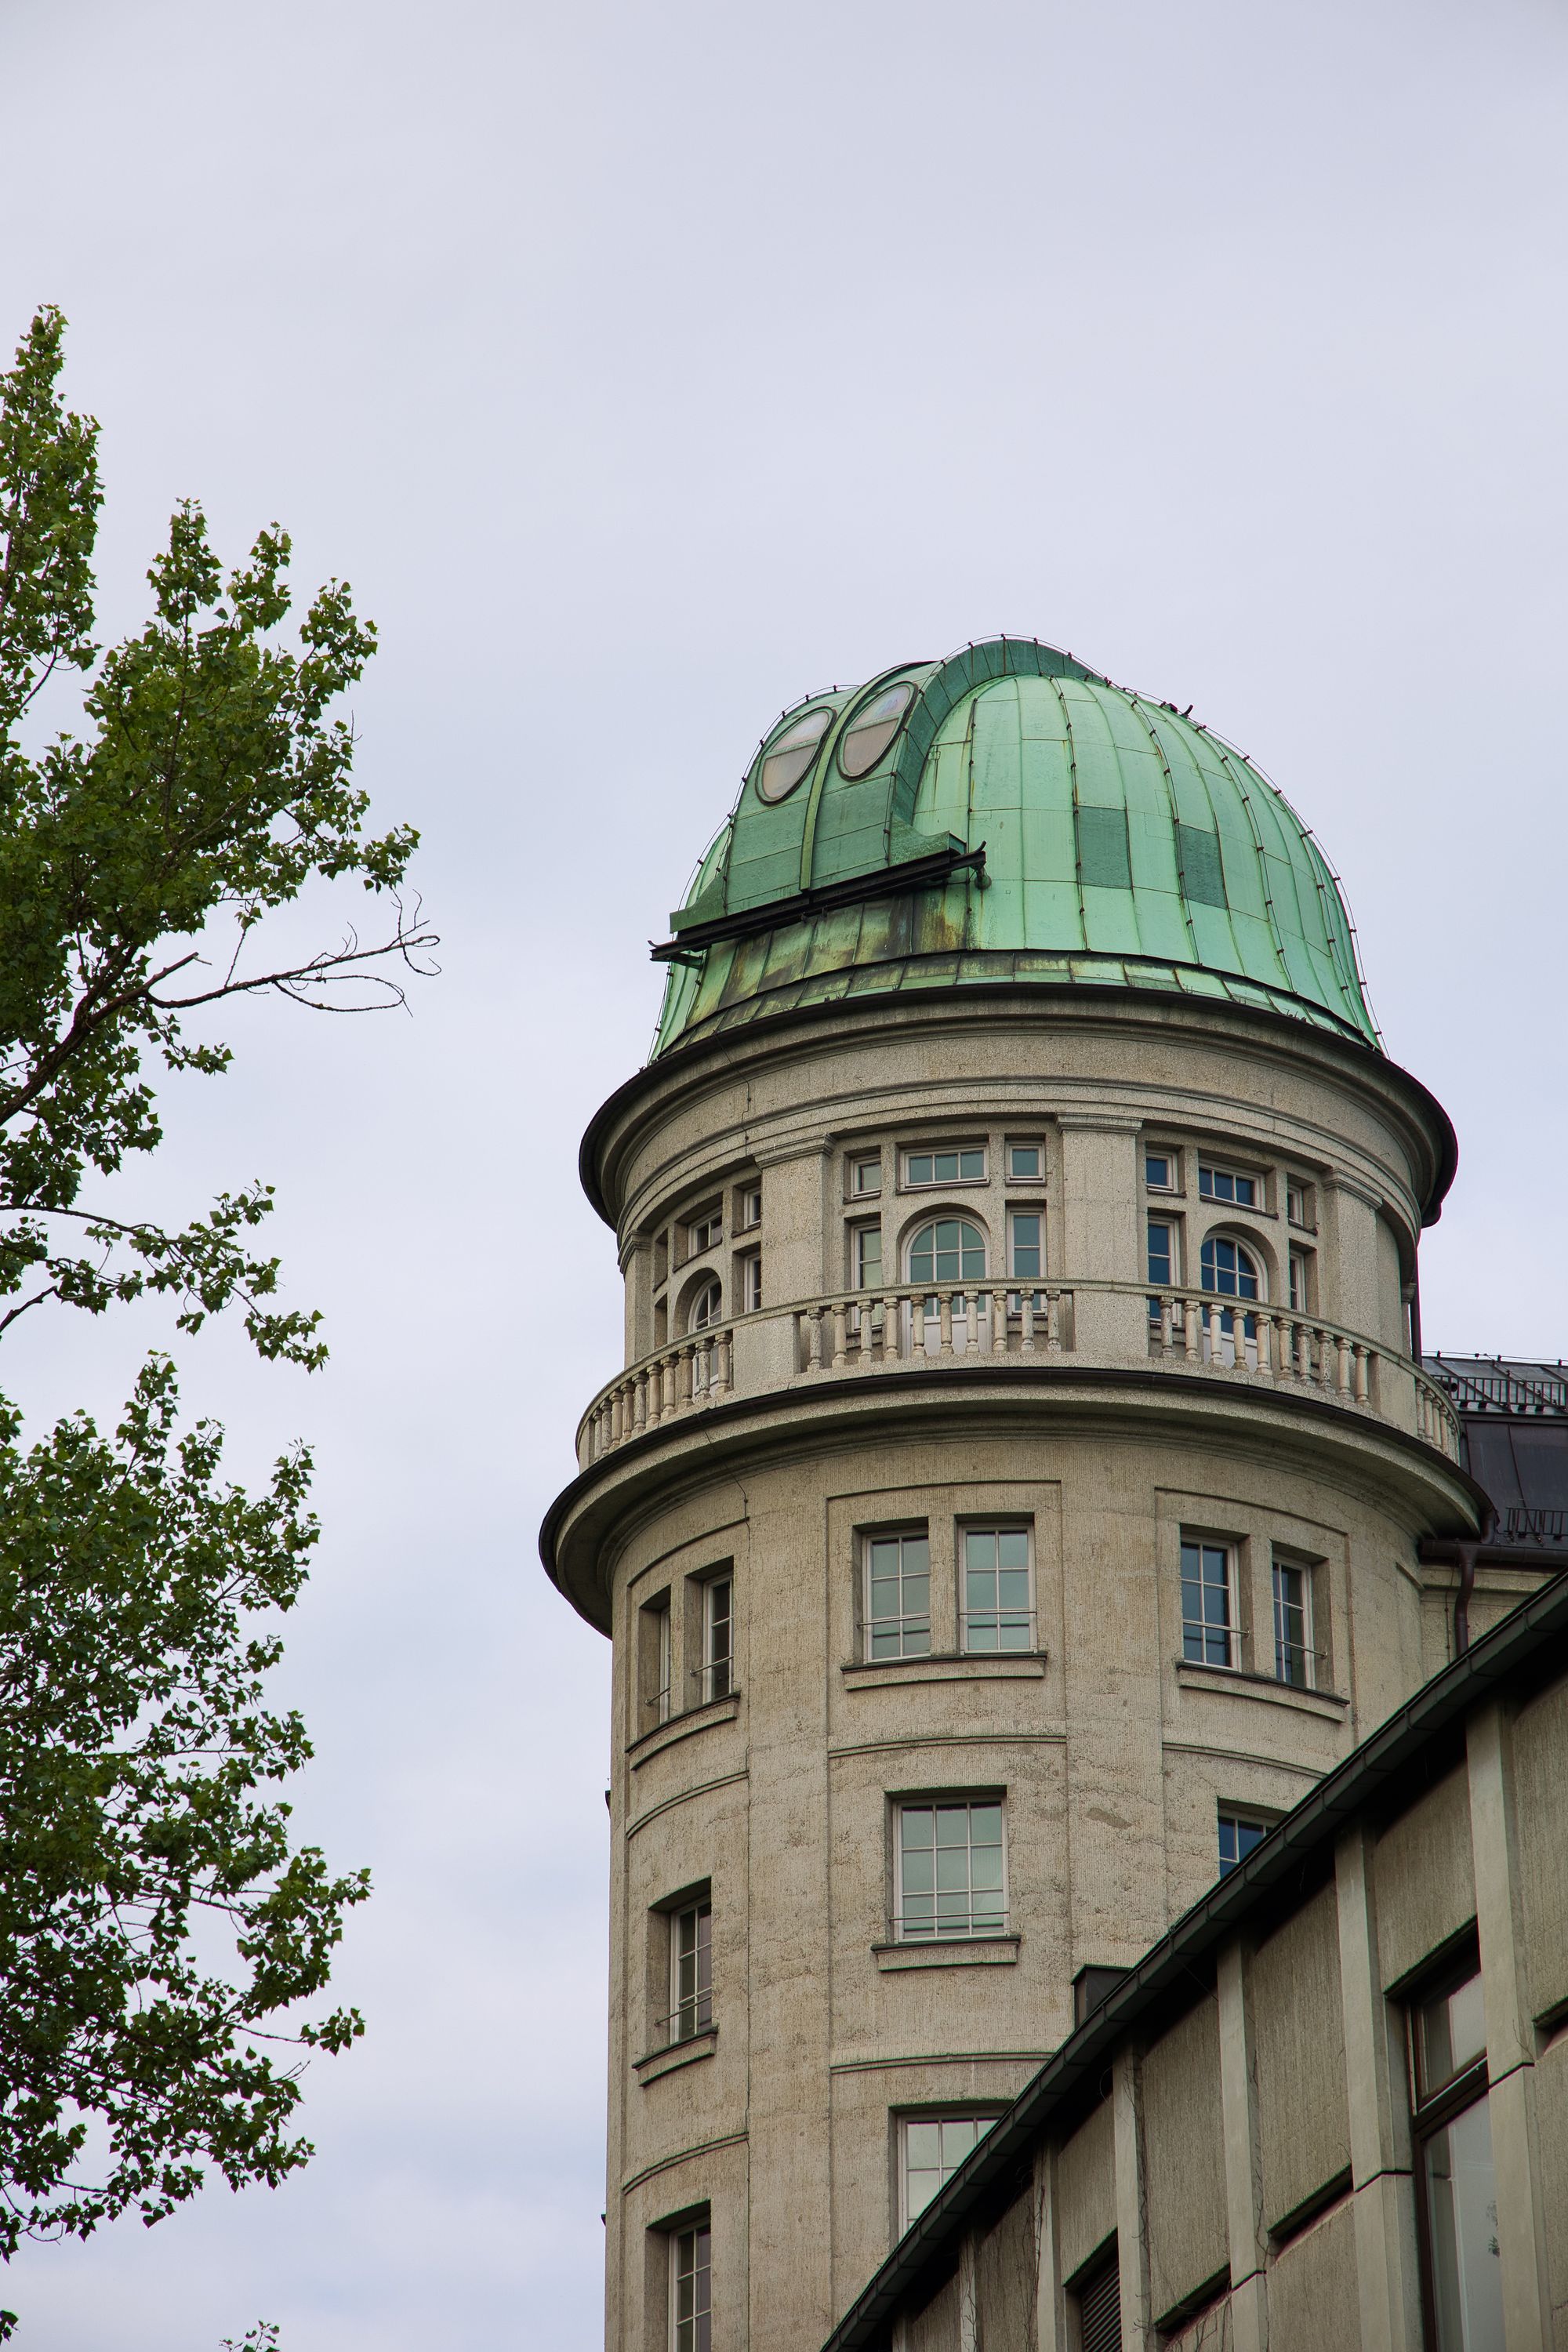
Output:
x=770 y=1448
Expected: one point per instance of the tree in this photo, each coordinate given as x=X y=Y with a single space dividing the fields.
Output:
x=206 y=783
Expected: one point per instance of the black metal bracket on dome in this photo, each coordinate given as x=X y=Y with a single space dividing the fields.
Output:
x=883 y=882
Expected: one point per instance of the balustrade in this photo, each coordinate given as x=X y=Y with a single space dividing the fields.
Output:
x=911 y=1324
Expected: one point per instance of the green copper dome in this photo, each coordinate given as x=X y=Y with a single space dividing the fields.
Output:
x=1005 y=815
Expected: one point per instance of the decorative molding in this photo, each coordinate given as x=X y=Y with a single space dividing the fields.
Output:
x=675 y=2054
x=963 y=1952
x=945 y=1667
x=1236 y=1682
x=681 y=1727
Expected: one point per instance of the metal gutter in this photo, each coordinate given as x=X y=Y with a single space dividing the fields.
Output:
x=926 y=873
x=1344 y=1792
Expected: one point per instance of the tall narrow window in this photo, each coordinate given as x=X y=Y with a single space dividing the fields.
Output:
x=691 y=2289
x=690 y=1971
x=1459 y=2194
x=1292 y=1624
x=750 y=1208
x=718 y=1637
x=866 y=1175
x=750 y=1269
x=867 y=1254
x=950 y=1876
x=653 y=1653
x=931 y=2149
x=1297 y=1282
x=898 y=1596
x=998 y=1612
x=663 y=1666
x=1208 y=1615
x=1161 y=1252
x=1025 y=1245
x=705 y=1308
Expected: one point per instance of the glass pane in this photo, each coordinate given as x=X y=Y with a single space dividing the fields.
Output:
x=922 y=2144
x=1462 y=2214
x=1451 y=2034
x=1023 y=1160
x=1157 y=1171
x=792 y=755
x=1013 y=1548
x=919 y=1167
x=946 y=1166
x=972 y=1163
x=874 y=729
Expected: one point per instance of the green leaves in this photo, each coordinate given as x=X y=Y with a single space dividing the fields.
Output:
x=210 y=784
x=136 y=1754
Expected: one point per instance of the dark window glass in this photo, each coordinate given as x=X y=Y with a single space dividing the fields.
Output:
x=1228 y=1268
x=1157 y=1171
x=1223 y=1184
x=1237 y=1839
x=691 y=2295
x=1027 y=1257
x=691 y=1972
x=1292 y=1625
x=1206 y=1634
x=1161 y=1253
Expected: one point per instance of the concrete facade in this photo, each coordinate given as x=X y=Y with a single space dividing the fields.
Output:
x=763 y=1433
x=1236 y=2141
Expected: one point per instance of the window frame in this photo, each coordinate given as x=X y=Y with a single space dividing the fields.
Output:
x=1298 y=1281
x=996 y=1528
x=748 y=1281
x=710 y=1223
x=1035 y=1175
x=715 y=1666
x=699 y=2000
x=931 y=1151
x=997 y=1915
x=1434 y=2112
x=699 y=2233
x=1170 y=1226
x=1173 y=1159
x=986 y=2117
x=1233 y=1176
x=912 y=1532
x=1279 y=1566
x=960 y=1280
x=867 y=1229
x=748 y=1208
x=656 y=1662
x=1038 y=1213
x=1297 y=1190
x=1237 y=1817
x=1196 y=1541
x=853 y=1166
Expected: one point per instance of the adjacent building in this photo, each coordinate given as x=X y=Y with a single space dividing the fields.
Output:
x=1022 y=1493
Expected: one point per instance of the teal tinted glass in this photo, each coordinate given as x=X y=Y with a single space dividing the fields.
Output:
x=949 y=1249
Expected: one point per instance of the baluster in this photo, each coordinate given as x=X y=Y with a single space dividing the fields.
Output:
x=1027 y=1341
x=1266 y=1347
x=944 y=1314
x=671 y=1372
x=840 y=1333
x=1167 y=1324
x=1363 y=1369
x=701 y=1366
x=814 y=1343
x=1053 y=1322
x=1326 y=1360
x=724 y=1362
x=1341 y=1349
x=612 y=1408
x=892 y=1329
x=999 y=1334
x=1190 y=1317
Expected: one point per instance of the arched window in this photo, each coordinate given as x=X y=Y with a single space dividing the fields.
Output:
x=947 y=1249
x=1229 y=1269
x=707 y=1306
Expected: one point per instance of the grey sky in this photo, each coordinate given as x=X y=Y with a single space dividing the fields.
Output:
x=644 y=368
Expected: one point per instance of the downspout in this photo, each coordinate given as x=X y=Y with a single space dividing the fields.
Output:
x=1467 y=1552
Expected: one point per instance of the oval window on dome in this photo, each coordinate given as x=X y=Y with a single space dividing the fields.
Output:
x=792 y=755
x=874 y=728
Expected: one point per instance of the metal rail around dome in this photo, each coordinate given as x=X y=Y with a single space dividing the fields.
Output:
x=1188 y=1333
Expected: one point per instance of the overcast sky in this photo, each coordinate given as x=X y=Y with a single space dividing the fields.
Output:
x=644 y=368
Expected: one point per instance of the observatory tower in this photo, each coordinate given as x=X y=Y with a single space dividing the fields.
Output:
x=1010 y=1502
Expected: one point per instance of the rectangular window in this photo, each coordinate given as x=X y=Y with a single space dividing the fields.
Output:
x=898 y=1596
x=1161 y=1252
x=1292 y=1624
x=968 y=1167
x=1459 y=2186
x=750 y=1269
x=1208 y=1615
x=718 y=1637
x=998 y=1613
x=1026 y=1244
x=690 y=1971
x=1297 y=1282
x=750 y=1207
x=951 y=1879
x=1237 y=1836
x=1298 y=1204
x=691 y=2289
x=704 y=1232
x=866 y=1175
x=1160 y=1171
x=1098 y=2301
x=1025 y=1162
x=654 y=1655
x=931 y=2149
x=867 y=1245
x=1224 y=1184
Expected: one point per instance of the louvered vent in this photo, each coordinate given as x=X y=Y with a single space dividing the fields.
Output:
x=1099 y=2311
